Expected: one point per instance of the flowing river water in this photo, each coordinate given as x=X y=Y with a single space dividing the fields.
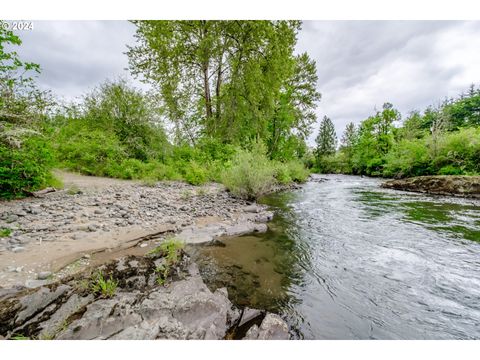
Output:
x=346 y=259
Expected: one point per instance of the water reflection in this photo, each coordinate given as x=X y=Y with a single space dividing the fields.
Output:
x=263 y=266
x=345 y=259
x=458 y=219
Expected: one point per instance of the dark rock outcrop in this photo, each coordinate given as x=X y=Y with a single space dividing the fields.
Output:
x=141 y=308
x=463 y=186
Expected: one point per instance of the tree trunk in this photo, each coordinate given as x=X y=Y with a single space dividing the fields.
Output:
x=206 y=85
x=217 y=88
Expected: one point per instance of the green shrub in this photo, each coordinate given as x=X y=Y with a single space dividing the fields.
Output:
x=127 y=169
x=25 y=168
x=211 y=150
x=408 y=158
x=451 y=170
x=328 y=164
x=171 y=250
x=282 y=173
x=460 y=149
x=297 y=171
x=195 y=174
x=294 y=170
x=90 y=152
x=250 y=175
x=4 y=232
x=132 y=117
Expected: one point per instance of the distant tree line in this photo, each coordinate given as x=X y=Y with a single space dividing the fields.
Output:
x=444 y=139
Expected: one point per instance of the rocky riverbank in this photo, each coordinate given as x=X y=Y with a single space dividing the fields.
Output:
x=53 y=244
x=463 y=186
x=92 y=215
x=140 y=307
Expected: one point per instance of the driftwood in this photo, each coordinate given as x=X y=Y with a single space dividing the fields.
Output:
x=42 y=192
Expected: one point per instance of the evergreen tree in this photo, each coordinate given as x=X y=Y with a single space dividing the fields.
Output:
x=349 y=137
x=326 y=139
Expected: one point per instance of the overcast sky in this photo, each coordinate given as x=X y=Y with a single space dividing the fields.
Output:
x=360 y=64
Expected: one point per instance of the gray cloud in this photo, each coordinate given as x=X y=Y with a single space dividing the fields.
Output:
x=360 y=64
x=75 y=56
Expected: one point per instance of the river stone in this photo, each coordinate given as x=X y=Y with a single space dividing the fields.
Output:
x=43 y=275
x=252 y=333
x=23 y=239
x=264 y=217
x=32 y=283
x=241 y=228
x=252 y=209
x=273 y=328
x=249 y=314
x=261 y=228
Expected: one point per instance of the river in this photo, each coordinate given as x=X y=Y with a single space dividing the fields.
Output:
x=346 y=259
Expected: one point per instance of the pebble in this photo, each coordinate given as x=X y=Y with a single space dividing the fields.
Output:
x=18 y=249
x=23 y=240
x=82 y=228
x=31 y=283
x=43 y=275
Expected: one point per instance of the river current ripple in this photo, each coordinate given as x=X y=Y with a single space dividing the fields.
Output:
x=355 y=261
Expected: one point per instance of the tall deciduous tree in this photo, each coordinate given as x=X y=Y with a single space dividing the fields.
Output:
x=237 y=81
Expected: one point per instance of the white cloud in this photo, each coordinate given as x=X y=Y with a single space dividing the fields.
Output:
x=360 y=64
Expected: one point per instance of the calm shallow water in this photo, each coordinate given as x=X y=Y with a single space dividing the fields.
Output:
x=345 y=259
